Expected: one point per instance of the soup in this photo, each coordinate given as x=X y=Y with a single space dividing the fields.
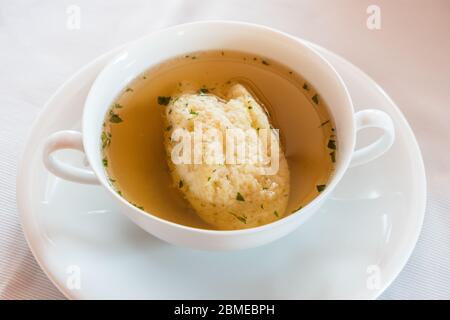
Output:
x=134 y=148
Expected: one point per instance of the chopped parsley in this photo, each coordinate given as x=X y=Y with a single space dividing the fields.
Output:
x=105 y=162
x=305 y=86
x=117 y=105
x=139 y=207
x=203 y=91
x=333 y=156
x=193 y=112
x=168 y=128
x=106 y=139
x=129 y=90
x=297 y=209
x=315 y=98
x=242 y=218
x=114 y=118
x=324 y=123
x=332 y=144
x=320 y=187
x=264 y=62
x=163 y=100
x=180 y=184
x=276 y=213
x=239 y=197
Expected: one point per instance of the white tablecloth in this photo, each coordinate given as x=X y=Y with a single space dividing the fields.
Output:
x=408 y=57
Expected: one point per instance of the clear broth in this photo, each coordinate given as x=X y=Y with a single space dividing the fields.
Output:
x=133 y=149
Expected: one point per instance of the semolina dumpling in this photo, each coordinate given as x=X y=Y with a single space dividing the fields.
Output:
x=236 y=195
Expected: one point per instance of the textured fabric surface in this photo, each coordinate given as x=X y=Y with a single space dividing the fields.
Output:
x=408 y=57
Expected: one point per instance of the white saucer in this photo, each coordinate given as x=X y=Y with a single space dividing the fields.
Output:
x=353 y=249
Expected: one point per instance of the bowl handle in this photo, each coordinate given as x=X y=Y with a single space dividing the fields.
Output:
x=67 y=139
x=372 y=118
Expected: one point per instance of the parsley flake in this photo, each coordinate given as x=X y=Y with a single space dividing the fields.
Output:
x=239 y=197
x=315 y=98
x=162 y=100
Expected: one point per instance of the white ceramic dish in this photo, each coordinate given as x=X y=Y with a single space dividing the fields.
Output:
x=368 y=228
x=140 y=55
